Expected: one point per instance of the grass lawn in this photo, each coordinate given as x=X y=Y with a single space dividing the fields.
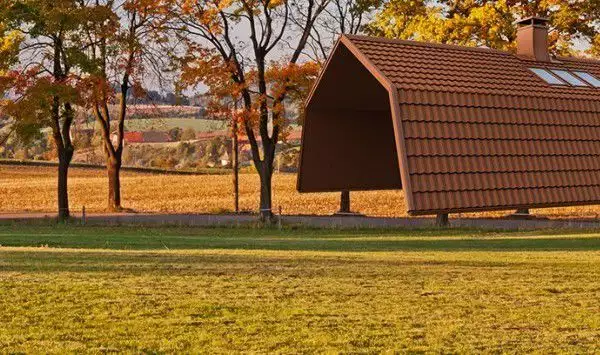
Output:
x=75 y=289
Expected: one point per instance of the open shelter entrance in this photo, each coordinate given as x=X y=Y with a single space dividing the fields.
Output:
x=348 y=138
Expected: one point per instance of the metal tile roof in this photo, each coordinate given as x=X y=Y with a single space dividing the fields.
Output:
x=482 y=132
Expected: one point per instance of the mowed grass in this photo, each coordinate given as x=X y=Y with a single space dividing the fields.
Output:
x=92 y=289
x=33 y=189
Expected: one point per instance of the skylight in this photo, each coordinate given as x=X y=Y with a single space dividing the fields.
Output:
x=547 y=76
x=569 y=78
x=589 y=78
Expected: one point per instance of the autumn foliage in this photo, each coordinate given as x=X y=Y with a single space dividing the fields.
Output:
x=488 y=23
x=256 y=59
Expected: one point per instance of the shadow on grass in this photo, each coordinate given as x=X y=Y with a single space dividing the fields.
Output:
x=216 y=264
x=132 y=238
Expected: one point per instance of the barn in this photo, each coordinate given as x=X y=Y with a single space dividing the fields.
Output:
x=459 y=129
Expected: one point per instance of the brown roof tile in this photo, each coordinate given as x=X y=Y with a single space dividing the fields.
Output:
x=427 y=67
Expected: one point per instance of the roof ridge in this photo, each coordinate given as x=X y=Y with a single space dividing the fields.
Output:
x=424 y=44
x=459 y=47
x=579 y=59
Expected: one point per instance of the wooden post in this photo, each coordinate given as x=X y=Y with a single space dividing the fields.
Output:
x=521 y=213
x=280 y=219
x=235 y=161
x=442 y=220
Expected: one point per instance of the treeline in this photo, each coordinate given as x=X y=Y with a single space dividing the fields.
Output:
x=254 y=58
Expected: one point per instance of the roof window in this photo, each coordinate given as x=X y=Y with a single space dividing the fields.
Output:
x=547 y=76
x=592 y=80
x=569 y=78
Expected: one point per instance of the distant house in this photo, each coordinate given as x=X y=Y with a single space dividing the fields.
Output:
x=294 y=137
x=165 y=111
x=225 y=159
x=199 y=100
x=146 y=137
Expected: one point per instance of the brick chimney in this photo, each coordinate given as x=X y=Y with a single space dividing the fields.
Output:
x=532 y=38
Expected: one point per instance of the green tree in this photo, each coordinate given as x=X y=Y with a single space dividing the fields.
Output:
x=123 y=46
x=42 y=77
x=188 y=134
x=9 y=49
x=487 y=23
x=237 y=49
x=175 y=134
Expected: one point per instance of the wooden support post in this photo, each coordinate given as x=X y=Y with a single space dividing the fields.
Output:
x=442 y=220
x=521 y=213
x=344 y=202
x=345 y=206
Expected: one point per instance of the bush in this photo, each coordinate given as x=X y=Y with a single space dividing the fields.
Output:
x=188 y=134
x=175 y=134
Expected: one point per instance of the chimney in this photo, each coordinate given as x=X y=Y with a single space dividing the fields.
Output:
x=532 y=38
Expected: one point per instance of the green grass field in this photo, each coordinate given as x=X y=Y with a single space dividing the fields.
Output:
x=76 y=289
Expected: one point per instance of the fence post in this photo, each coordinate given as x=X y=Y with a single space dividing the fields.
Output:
x=279 y=220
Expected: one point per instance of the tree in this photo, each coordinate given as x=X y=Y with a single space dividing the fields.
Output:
x=43 y=86
x=188 y=134
x=486 y=23
x=10 y=41
x=120 y=51
x=252 y=64
x=339 y=16
x=592 y=19
x=175 y=134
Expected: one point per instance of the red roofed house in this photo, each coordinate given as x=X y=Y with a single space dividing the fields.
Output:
x=458 y=129
x=146 y=137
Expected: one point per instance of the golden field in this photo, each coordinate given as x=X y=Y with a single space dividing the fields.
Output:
x=33 y=189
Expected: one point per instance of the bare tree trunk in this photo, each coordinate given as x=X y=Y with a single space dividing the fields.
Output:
x=65 y=155
x=63 y=194
x=113 y=168
x=61 y=131
x=64 y=148
x=5 y=138
x=266 y=178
